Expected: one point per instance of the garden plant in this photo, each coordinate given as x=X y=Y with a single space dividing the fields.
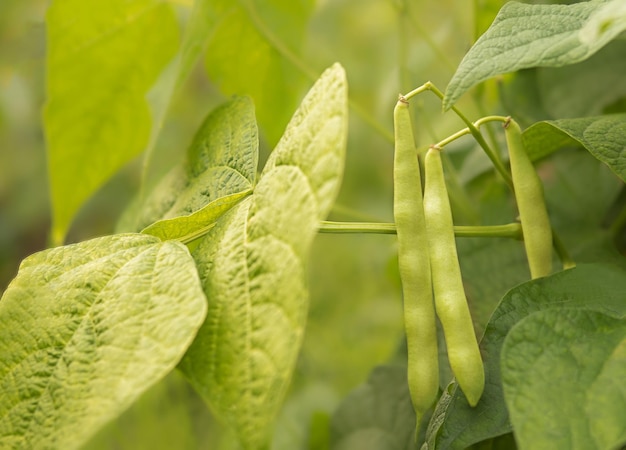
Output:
x=504 y=248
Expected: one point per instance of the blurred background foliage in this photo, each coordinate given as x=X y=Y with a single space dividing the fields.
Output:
x=387 y=47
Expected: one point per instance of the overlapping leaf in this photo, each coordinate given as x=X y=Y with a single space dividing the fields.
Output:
x=101 y=63
x=456 y=425
x=253 y=268
x=85 y=329
x=603 y=136
x=563 y=373
x=524 y=35
x=252 y=51
x=220 y=169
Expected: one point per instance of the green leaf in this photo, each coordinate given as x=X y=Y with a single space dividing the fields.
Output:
x=563 y=373
x=598 y=82
x=601 y=287
x=85 y=329
x=219 y=170
x=606 y=23
x=603 y=136
x=377 y=415
x=101 y=64
x=253 y=266
x=523 y=36
x=252 y=51
x=190 y=227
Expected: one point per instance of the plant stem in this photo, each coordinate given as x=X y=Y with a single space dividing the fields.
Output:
x=564 y=256
x=428 y=86
x=509 y=230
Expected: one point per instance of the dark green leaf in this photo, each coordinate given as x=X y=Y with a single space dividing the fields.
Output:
x=85 y=329
x=603 y=136
x=563 y=373
x=455 y=425
x=524 y=36
x=377 y=415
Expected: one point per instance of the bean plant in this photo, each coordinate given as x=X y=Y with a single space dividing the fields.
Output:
x=208 y=272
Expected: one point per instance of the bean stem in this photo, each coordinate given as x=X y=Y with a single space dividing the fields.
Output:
x=509 y=230
x=493 y=156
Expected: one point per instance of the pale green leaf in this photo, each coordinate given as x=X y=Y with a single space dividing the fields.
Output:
x=252 y=51
x=220 y=169
x=524 y=35
x=253 y=268
x=607 y=22
x=377 y=415
x=563 y=374
x=456 y=425
x=101 y=63
x=85 y=329
x=189 y=227
x=603 y=136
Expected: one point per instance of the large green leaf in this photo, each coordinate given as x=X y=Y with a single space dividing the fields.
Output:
x=253 y=268
x=85 y=329
x=563 y=373
x=101 y=63
x=456 y=425
x=377 y=415
x=604 y=137
x=219 y=170
x=524 y=35
x=252 y=51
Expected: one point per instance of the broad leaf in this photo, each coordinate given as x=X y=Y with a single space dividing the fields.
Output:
x=252 y=51
x=523 y=36
x=455 y=425
x=377 y=415
x=85 y=329
x=563 y=373
x=253 y=268
x=101 y=63
x=603 y=136
x=219 y=170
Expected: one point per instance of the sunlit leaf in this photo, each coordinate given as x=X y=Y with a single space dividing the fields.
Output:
x=85 y=329
x=101 y=63
x=253 y=268
x=219 y=170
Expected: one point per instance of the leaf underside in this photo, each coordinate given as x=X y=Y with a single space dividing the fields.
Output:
x=526 y=35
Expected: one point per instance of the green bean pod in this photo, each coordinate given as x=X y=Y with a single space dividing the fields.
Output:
x=450 y=300
x=414 y=266
x=531 y=204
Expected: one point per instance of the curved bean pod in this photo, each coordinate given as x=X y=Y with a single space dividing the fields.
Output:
x=414 y=266
x=450 y=300
x=530 y=203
